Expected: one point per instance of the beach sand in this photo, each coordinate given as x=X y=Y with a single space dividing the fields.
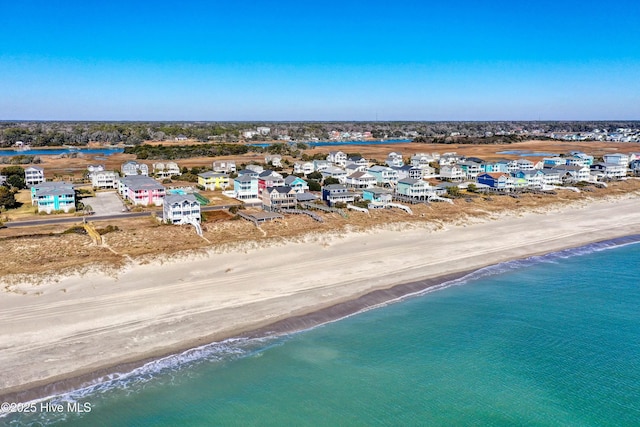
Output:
x=65 y=330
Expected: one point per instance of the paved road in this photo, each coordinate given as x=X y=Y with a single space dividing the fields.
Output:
x=124 y=215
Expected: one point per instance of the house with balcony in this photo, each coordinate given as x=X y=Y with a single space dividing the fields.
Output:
x=497 y=181
x=610 y=170
x=394 y=160
x=298 y=184
x=408 y=171
x=470 y=169
x=181 y=209
x=334 y=172
x=617 y=159
x=553 y=161
x=3 y=179
x=413 y=189
x=360 y=180
x=572 y=174
x=320 y=165
x=248 y=172
x=422 y=159
x=166 y=170
x=275 y=160
x=53 y=196
x=524 y=165
x=384 y=175
x=551 y=176
x=634 y=167
x=141 y=190
x=358 y=160
x=213 y=180
x=354 y=167
x=452 y=172
x=337 y=158
x=33 y=175
x=132 y=168
x=377 y=195
x=245 y=187
x=534 y=178
x=269 y=178
x=256 y=168
x=224 y=166
x=490 y=167
x=449 y=159
x=94 y=168
x=104 y=179
x=303 y=168
x=274 y=198
x=337 y=193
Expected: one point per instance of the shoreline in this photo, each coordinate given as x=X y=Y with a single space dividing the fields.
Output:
x=303 y=306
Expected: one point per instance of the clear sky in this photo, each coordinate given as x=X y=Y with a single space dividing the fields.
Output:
x=326 y=60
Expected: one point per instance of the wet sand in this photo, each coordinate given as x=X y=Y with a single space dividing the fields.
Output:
x=66 y=331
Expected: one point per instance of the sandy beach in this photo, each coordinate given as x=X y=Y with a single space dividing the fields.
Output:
x=79 y=325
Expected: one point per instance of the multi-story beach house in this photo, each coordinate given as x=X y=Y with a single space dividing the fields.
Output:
x=610 y=170
x=141 y=190
x=298 y=184
x=181 y=209
x=498 y=181
x=384 y=175
x=33 y=175
x=337 y=193
x=354 y=167
x=553 y=161
x=413 y=189
x=269 y=178
x=358 y=160
x=282 y=197
x=451 y=172
x=377 y=195
x=551 y=176
x=213 y=180
x=303 y=168
x=422 y=159
x=275 y=160
x=534 y=178
x=256 y=168
x=104 y=179
x=394 y=160
x=248 y=172
x=634 y=167
x=94 y=168
x=337 y=158
x=360 y=180
x=245 y=187
x=53 y=196
x=408 y=171
x=616 y=158
x=470 y=169
x=570 y=173
x=225 y=166
x=524 y=165
x=3 y=179
x=449 y=159
x=132 y=168
x=334 y=172
x=320 y=165
x=166 y=170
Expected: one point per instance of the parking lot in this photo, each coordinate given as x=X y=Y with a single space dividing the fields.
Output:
x=105 y=203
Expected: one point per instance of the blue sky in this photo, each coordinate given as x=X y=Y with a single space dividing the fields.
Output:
x=329 y=60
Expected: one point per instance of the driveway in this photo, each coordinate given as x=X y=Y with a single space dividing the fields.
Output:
x=105 y=203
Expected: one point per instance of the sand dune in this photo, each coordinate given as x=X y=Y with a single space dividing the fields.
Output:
x=70 y=326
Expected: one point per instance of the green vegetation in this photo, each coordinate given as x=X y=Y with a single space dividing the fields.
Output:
x=8 y=198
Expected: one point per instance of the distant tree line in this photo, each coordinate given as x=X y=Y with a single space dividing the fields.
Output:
x=134 y=133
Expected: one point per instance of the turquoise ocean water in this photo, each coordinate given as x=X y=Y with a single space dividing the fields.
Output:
x=553 y=340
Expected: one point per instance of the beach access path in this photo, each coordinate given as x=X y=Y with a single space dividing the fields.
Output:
x=65 y=327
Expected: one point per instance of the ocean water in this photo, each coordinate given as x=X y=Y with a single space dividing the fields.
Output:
x=549 y=341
